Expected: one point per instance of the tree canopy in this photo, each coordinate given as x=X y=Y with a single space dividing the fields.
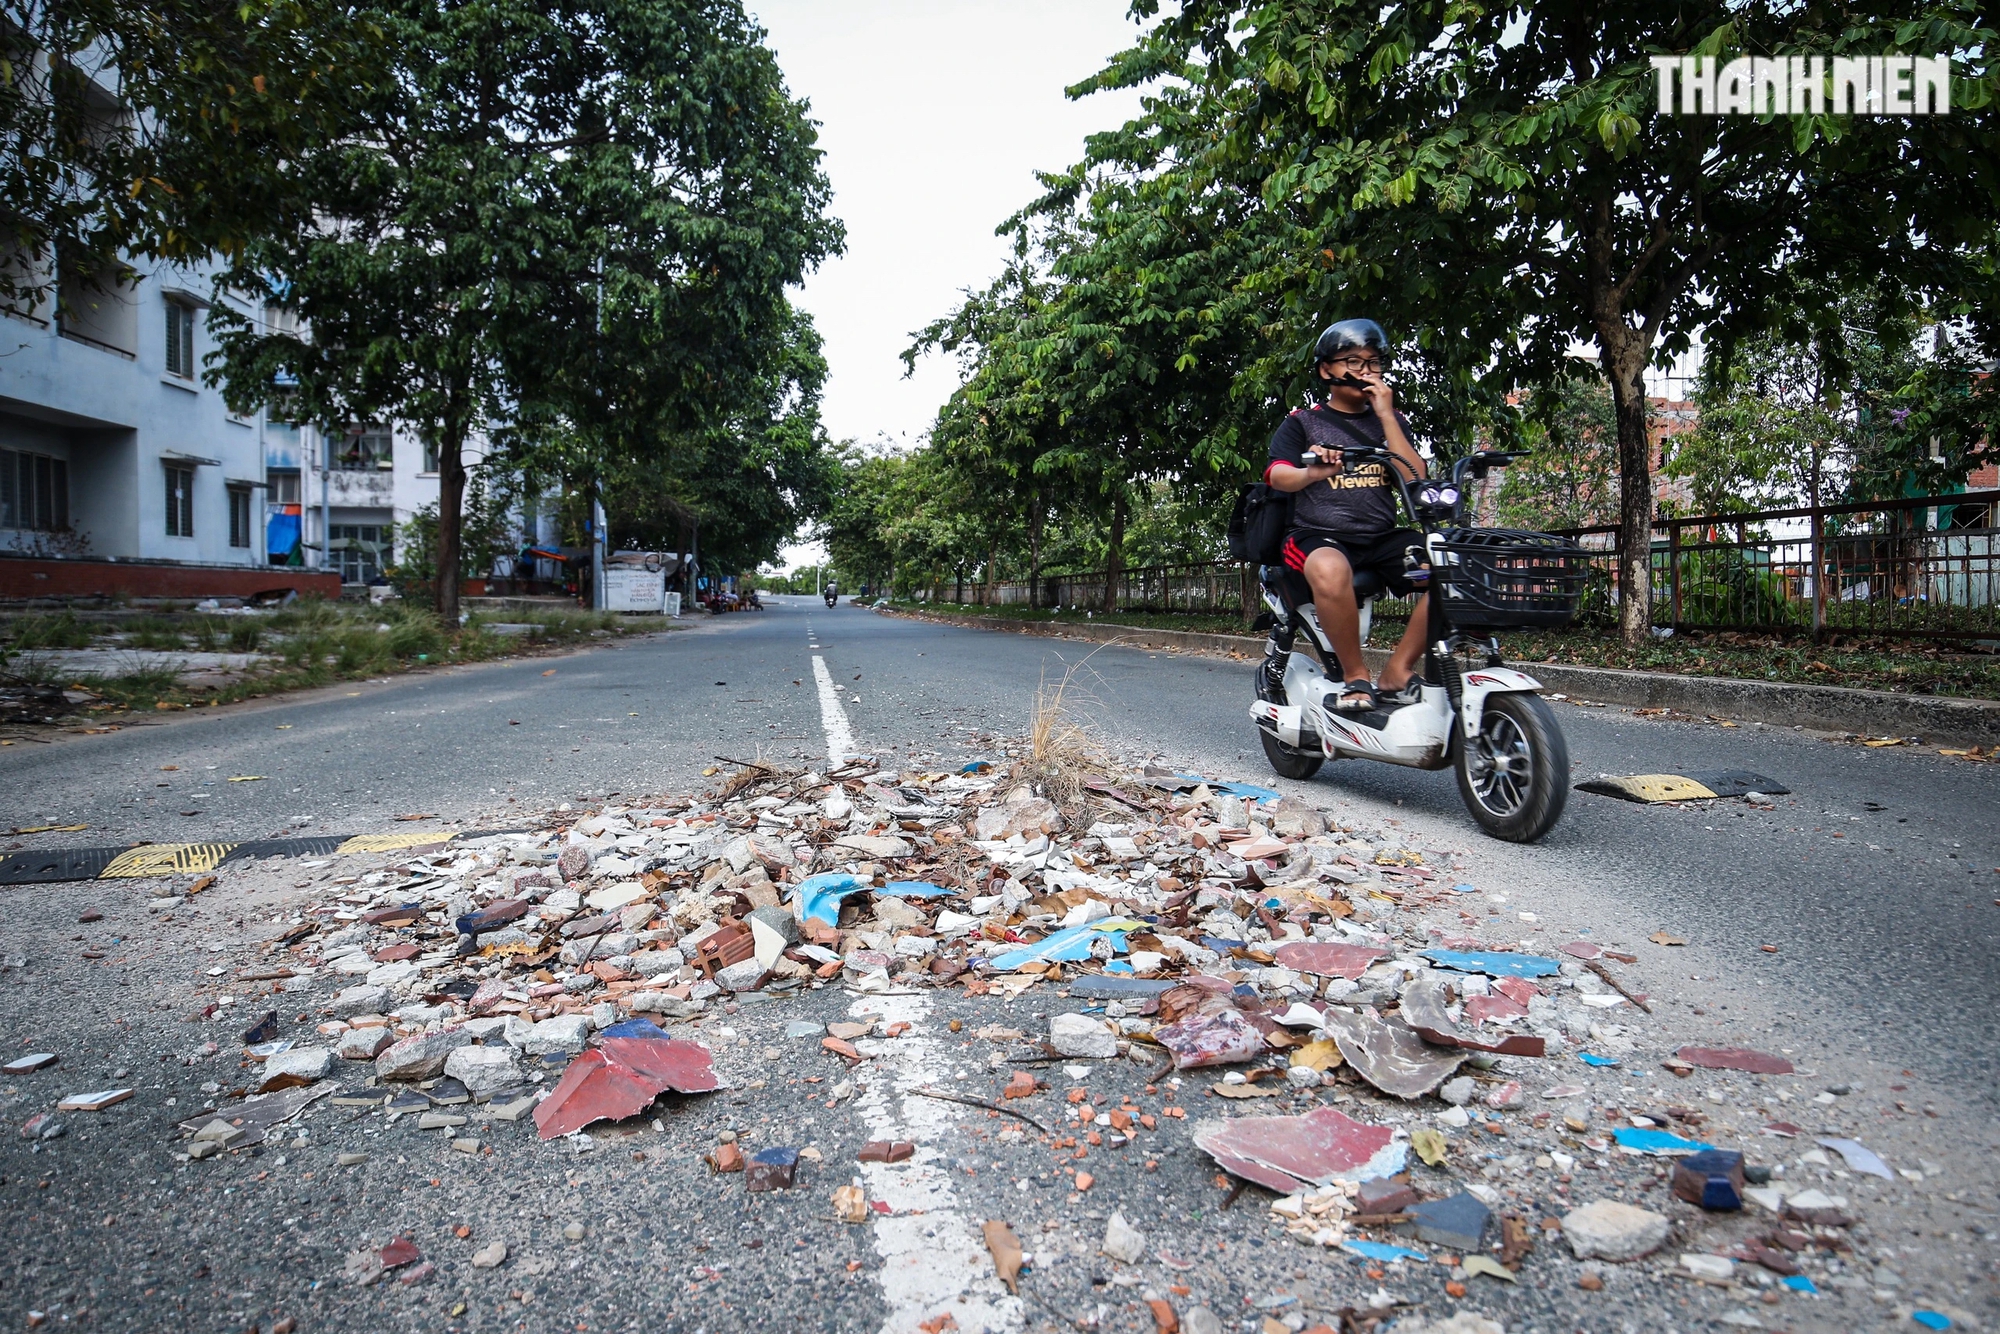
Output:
x=163 y=128
x=573 y=226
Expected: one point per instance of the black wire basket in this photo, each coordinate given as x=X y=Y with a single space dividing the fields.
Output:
x=1506 y=578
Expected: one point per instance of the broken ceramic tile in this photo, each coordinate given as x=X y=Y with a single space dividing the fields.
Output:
x=1494 y=963
x=1288 y=1153
x=771 y=1169
x=1859 y=1157
x=1390 y=1055
x=1423 y=1007
x=1222 y=1038
x=620 y=1078
x=1712 y=1179
x=1735 y=1058
x=1327 y=959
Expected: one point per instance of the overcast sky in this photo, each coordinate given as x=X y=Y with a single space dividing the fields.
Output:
x=934 y=115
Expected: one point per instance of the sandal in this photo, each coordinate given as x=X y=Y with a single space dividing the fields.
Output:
x=1357 y=697
x=1410 y=692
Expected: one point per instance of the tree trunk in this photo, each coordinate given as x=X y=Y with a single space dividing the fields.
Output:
x=1624 y=359
x=451 y=519
x=1035 y=552
x=992 y=594
x=1114 y=565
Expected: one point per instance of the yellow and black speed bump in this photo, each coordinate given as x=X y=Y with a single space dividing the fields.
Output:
x=1696 y=786
x=151 y=859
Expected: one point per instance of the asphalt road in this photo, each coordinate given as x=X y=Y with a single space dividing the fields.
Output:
x=1877 y=879
x=1884 y=961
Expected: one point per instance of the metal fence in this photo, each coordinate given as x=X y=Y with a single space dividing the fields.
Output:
x=1925 y=567
x=1204 y=588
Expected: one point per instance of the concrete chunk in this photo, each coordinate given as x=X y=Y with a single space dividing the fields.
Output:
x=1607 y=1230
x=421 y=1055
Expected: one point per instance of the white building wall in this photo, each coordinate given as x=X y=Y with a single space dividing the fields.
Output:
x=116 y=416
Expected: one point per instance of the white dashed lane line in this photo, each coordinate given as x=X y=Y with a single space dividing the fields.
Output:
x=934 y=1260
x=832 y=717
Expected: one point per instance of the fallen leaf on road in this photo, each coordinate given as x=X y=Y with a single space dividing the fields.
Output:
x=550 y=672
x=248 y=778
x=1429 y=1144
x=1662 y=938
x=1473 y=1265
x=429 y=816
x=1006 y=1248
x=1249 y=1090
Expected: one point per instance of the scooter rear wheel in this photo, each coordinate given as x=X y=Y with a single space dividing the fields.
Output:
x=1514 y=776
x=1286 y=761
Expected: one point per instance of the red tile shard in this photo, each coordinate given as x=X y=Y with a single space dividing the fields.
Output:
x=1288 y=1153
x=1327 y=960
x=1735 y=1058
x=1222 y=1038
x=621 y=1078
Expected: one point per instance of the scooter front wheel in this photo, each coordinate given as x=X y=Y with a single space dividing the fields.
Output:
x=1286 y=761
x=1514 y=775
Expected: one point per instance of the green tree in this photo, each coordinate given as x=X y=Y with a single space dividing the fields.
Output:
x=1877 y=405
x=578 y=220
x=1497 y=195
x=159 y=128
x=1570 y=477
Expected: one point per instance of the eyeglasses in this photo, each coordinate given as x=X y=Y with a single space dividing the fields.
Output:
x=1365 y=365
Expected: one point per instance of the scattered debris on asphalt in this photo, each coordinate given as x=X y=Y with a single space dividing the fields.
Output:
x=1432 y=1090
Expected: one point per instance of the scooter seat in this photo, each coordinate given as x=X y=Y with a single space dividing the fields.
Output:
x=1297 y=592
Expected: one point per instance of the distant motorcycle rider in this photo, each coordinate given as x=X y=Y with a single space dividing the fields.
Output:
x=1344 y=519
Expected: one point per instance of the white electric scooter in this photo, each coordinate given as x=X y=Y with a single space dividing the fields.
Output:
x=1489 y=722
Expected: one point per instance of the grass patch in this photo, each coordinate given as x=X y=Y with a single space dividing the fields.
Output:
x=62 y=630
x=314 y=643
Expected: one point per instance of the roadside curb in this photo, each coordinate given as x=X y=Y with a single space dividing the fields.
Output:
x=1821 y=708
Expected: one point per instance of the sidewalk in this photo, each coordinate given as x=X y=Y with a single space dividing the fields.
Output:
x=1822 y=708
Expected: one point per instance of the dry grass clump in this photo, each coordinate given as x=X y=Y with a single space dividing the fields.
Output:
x=1062 y=752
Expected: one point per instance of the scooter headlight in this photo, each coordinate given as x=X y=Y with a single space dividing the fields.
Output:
x=1431 y=496
x=1447 y=495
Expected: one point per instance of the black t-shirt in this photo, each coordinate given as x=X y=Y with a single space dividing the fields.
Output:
x=1358 y=502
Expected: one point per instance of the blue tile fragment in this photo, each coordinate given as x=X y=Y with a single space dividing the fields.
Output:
x=1496 y=963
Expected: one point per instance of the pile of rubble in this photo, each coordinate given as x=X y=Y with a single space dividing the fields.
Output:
x=1199 y=926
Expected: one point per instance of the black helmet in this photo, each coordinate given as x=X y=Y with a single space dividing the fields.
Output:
x=1347 y=335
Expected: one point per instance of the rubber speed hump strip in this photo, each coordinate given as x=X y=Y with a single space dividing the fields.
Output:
x=153 y=859
x=1699 y=785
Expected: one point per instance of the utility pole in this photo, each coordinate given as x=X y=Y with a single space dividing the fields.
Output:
x=599 y=549
x=326 y=502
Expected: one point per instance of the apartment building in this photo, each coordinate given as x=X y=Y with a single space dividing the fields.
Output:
x=111 y=448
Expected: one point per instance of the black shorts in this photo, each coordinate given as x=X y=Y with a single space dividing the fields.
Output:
x=1382 y=556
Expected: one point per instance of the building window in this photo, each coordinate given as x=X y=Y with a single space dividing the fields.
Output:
x=284 y=484
x=239 y=516
x=97 y=311
x=180 y=340
x=34 y=492
x=370 y=451
x=360 y=550
x=180 y=500
x=430 y=456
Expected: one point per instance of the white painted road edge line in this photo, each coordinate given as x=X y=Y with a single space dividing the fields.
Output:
x=933 y=1262
x=833 y=718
